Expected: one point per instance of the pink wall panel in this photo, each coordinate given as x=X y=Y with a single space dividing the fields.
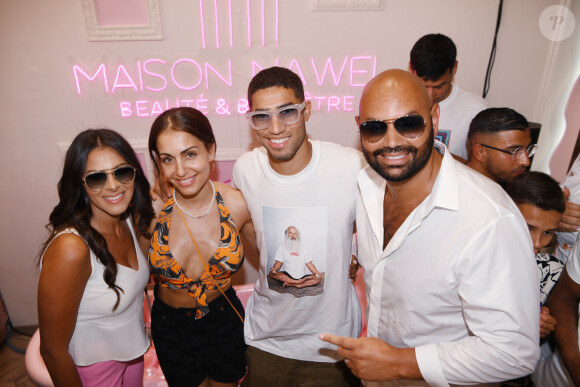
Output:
x=121 y=13
x=223 y=171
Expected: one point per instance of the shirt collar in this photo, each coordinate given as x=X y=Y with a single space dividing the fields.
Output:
x=445 y=192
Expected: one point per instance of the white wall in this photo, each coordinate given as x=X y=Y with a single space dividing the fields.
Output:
x=561 y=117
x=40 y=40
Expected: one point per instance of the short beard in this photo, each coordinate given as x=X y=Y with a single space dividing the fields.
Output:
x=499 y=178
x=419 y=160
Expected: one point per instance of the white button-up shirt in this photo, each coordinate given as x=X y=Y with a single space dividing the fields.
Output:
x=458 y=280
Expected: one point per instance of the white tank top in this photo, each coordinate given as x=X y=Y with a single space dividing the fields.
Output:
x=101 y=334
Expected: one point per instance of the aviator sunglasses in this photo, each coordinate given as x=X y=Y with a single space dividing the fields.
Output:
x=288 y=115
x=411 y=126
x=95 y=181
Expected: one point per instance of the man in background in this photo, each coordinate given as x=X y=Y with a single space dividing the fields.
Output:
x=433 y=59
x=541 y=202
x=500 y=144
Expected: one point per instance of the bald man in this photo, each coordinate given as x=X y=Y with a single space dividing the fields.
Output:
x=449 y=269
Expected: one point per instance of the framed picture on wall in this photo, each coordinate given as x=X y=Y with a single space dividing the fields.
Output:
x=110 y=20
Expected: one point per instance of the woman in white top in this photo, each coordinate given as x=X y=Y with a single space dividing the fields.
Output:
x=93 y=272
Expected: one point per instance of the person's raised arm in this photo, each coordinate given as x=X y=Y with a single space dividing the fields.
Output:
x=563 y=303
x=66 y=268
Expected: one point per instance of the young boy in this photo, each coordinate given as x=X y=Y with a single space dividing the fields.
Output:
x=541 y=202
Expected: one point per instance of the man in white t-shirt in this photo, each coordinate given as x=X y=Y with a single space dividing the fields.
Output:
x=433 y=59
x=294 y=180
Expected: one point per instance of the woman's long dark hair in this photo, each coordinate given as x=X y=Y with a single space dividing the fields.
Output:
x=74 y=209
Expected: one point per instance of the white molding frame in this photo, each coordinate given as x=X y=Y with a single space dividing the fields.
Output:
x=152 y=31
x=346 y=5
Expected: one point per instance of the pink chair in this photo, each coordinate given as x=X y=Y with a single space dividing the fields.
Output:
x=34 y=364
x=244 y=292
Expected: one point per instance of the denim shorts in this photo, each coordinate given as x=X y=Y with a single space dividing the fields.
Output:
x=190 y=350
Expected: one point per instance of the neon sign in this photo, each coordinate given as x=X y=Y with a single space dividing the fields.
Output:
x=157 y=75
x=148 y=86
x=143 y=77
x=230 y=26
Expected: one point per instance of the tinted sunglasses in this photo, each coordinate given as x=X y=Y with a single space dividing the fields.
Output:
x=411 y=126
x=95 y=181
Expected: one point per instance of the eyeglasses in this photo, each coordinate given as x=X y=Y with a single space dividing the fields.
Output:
x=95 y=181
x=518 y=152
x=288 y=115
x=411 y=126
